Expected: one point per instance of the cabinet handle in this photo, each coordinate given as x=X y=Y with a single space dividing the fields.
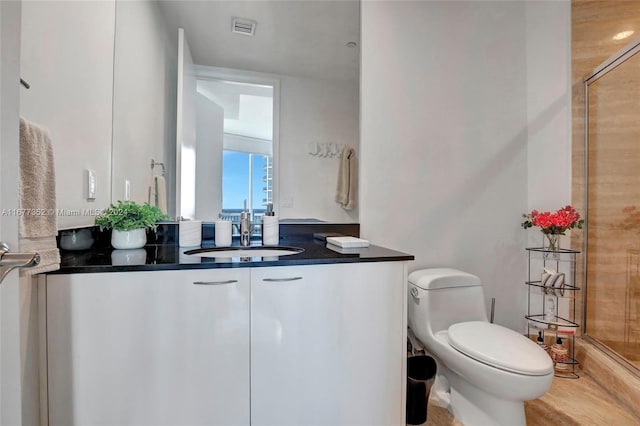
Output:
x=279 y=280
x=215 y=282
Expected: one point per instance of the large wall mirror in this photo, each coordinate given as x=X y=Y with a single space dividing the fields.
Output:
x=226 y=116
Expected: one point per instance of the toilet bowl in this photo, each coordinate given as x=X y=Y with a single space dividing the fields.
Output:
x=487 y=370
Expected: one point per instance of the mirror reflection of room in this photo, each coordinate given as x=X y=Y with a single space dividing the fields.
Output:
x=307 y=52
x=235 y=129
x=117 y=89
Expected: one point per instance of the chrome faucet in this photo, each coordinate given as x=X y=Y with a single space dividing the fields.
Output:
x=245 y=229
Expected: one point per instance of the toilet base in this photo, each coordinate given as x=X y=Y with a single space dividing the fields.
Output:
x=473 y=406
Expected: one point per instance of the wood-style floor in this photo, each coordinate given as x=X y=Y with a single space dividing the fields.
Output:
x=568 y=403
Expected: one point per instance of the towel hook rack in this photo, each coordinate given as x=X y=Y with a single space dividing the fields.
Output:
x=156 y=163
x=325 y=150
x=10 y=261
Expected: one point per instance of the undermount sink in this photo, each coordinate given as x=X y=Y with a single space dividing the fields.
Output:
x=255 y=251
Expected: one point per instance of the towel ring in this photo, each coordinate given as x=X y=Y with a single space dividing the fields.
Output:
x=155 y=163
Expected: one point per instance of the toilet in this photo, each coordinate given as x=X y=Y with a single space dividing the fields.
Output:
x=485 y=371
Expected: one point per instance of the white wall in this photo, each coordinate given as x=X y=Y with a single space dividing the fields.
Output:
x=144 y=99
x=444 y=129
x=548 y=47
x=67 y=57
x=312 y=110
x=548 y=115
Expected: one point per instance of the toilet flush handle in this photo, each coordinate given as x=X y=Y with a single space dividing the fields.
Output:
x=414 y=292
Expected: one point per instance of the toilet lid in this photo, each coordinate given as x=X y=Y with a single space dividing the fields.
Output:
x=499 y=347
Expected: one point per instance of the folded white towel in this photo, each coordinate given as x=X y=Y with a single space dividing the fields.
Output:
x=348 y=242
x=346 y=191
x=38 y=224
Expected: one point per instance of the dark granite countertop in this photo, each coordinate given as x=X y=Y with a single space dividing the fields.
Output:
x=170 y=257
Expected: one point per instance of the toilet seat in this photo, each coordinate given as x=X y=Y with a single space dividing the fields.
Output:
x=499 y=347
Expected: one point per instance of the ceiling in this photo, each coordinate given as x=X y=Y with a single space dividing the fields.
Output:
x=304 y=38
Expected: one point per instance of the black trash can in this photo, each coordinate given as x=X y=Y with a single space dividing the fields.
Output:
x=421 y=372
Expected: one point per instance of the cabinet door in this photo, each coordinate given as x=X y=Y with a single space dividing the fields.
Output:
x=149 y=348
x=327 y=344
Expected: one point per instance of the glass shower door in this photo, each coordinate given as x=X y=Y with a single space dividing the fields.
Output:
x=613 y=207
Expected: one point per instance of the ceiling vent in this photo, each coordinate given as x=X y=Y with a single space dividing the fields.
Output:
x=243 y=26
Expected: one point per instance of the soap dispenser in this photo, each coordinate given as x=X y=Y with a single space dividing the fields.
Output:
x=540 y=341
x=270 y=227
x=245 y=226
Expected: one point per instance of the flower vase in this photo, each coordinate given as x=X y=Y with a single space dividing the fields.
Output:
x=553 y=246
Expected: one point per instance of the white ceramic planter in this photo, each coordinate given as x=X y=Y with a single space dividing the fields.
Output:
x=129 y=257
x=133 y=239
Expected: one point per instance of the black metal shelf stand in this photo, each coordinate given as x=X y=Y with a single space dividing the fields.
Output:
x=557 y=326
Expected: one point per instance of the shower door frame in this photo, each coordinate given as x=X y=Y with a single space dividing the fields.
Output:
x=601 y=70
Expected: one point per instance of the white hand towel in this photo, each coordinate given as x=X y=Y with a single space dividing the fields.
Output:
x=38 y=225
x=347 y=179
x=158 y=193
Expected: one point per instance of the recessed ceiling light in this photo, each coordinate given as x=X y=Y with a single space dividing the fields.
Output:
x=243 y=26
x=622 y=35
x=351 y=44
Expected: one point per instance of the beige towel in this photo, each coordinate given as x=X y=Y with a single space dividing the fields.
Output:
x=347 y=179
x=38 y=224
x=158 y=193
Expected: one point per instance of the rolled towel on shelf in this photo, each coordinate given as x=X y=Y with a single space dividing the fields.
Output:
x=37 y=229
x=553 y=282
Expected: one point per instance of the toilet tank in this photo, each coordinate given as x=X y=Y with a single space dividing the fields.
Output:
x=440 y=297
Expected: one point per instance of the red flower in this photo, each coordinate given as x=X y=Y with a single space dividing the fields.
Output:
x=554 y=223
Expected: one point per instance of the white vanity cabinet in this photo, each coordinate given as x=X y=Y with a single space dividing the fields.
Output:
x=328 y=344
x=148 y=348
x=282 y=345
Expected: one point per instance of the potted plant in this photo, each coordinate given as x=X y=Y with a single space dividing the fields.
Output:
x=129 y=223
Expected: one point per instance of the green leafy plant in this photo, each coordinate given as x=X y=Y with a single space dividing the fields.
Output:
x=130 y=215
